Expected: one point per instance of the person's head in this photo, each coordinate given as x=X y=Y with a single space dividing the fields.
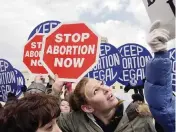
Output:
x=11 y=98
x=65 y=106
x=33 y=113
x=0 y=105
x=91 y=95
x=137 y=98
x=36 y=88
x=23 y=88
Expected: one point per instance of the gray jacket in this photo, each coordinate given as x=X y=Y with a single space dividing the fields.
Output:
x=130 y=122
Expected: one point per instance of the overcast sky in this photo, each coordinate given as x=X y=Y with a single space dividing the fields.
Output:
x=121 y=21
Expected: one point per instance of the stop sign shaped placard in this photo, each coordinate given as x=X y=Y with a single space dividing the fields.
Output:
x=31 y=58
x=70 y=51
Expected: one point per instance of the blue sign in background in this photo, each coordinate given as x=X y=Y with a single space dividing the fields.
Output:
x=172 y=56
x=44 y=27
x=8 y=80
x=109 y=65
x=134 y=59
x=20 y=82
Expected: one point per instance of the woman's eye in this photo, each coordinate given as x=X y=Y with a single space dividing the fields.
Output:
x=95 y=91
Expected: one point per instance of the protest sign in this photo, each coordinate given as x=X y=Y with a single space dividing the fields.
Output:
x=163 y=10
x=8 y=80
x=134 y=60
x=31 y=56
x=70 y=51
x=172 y=56
x=20 y=82
x=109 y=65
x=44 y=27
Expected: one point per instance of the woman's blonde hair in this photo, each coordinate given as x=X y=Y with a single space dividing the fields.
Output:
x=78 y=98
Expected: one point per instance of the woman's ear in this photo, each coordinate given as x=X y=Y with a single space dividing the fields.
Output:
x=87 y=108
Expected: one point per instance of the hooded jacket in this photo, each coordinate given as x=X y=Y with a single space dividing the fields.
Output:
x=81 y=122
x=158 y=90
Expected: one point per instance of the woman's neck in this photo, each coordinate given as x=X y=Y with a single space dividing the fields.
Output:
x=105 y=117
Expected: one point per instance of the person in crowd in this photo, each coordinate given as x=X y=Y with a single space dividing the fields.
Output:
x=96 y=109
x=32 y=113
x=158 y=85
x=65 y=106
x=61 y=89
x=11 y=98
x=0 y=105
x=137 y=88
x=37 y=86
x=138 y=98
x=24 y=89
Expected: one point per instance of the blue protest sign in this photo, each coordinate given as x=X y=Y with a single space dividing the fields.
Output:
x=172 y=56
x=134 y=60
x=109 y=65
x=8 y=81
x=44 y=27
x=20 y=82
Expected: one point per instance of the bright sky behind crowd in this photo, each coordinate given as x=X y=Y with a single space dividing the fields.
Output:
x=121 y=21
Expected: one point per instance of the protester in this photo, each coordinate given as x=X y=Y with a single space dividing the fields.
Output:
x=24 y=89
x=11 y=98
x=0 y=105
x=37 y=86
x=33 y=113
x=65 y=106
x=137 y=88
x=138 y=98
x=158 y=86
x=96 y=109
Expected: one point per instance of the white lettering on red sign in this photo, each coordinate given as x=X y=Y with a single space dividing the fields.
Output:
x=34 y=53
x=68 y=62
x=76 y=37
x=71 y=50
x=69 y=44
x=36 y=45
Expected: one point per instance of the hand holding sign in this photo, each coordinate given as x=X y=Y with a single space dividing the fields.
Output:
x=57 y=85
x=158 y=37
x=163 y=10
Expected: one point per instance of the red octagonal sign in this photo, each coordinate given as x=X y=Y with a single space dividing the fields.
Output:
x=71 y=50
x=31 y=55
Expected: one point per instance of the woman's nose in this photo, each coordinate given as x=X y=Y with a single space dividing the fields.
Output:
x=106 y=89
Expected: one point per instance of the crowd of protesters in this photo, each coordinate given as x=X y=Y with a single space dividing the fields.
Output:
x=92 y=106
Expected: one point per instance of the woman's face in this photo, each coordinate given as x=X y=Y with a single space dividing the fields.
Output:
x=50 y=127
x=64 y=106
x=99 y=96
